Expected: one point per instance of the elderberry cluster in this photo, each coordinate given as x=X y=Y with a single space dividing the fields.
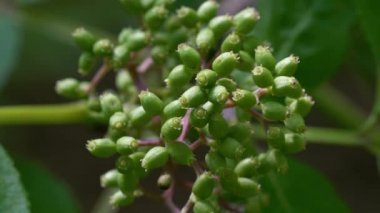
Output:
x=191 y=59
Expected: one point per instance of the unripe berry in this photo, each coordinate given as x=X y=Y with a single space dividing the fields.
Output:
x=228 y=83
x=287 y=66
x=220 y=25
x=103 y=48
x=187 y=16
x=244 y=98
x=124 y=164
x=156 y=157
x=164 y=181
x=205 y=40
x=124 y=81
x=159 y=54
x=277 y=160
x=246 y=62
x=199 y=117
x=174 y=109
x=287 y=86
x=230 y=148
x=109 y=179
x=264 y=57
x=204 y=186
x=124 y=35
x=276 y=137
x=189 y=56
x=214 y=161
x=118 y=121
x=102 y=147
x=128 y=182
x=151 y=103
x=137 y=40
x=218 y=95
x=179 y=76
x=206 y=78
x=110 y=104
x=241 y=131
x=120 y=199
x=225 y=63
x=302 y=105
x=139 y=117
x=120 y=56
x=67 y=88
x=154 y=17
x=262 y=77
x=86 y=63
x=294 y=142
x=274 y=111
x=180 y=152
x=126 y=145
x=245 y=20
x=295 y=123
x=207 y=10
x=203 y=207
x=246 y=167
x=171 y=129
x=248 y=187
x=84 y=39
x=250 y=43
x=137 y=168
x=193 y=97
x=231 y=43
x=229 y=181
x=216 y=124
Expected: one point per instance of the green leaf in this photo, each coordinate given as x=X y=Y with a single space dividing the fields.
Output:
x=315 y=30
x=9 y=43
x=302 y=189
x=12 y=196
x=45 y=192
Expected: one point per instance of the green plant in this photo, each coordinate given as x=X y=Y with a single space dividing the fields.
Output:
x=194 y=89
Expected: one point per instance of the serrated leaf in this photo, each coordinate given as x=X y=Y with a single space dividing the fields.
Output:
x=302 y=189
x=12 y=196
x=315 y=30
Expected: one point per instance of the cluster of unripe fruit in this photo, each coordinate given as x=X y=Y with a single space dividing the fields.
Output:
x=194 y=59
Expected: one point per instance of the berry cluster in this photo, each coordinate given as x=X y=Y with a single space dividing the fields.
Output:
x=191 y=60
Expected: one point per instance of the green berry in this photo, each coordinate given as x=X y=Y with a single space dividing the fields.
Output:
x=121 y=199
x=228 y=83
x=102 y=147
x=179 y=76
x=230 y=148
x=137 y=40
x=250 y=43
x=118 y=121
x=287 y=87
x=139 y=117
x=229 y=181
x=205 y=40
x=120 y=56
x=103 y=48
x=86 y=63
x=152 y=103
x=274 y=111
x=124 y=164
x=193 y=97
x=206 y=78
x=187 y=16
x=164 y=181
x=137 y=168
x=245 y=20
x=189 y=56
x=207 y=10
x=126 y=145
x=276 y=137
x=174 y=109
x=128 y=182
x=241 y=131
x=225 y=63
x=302 y=105
x=109 y=179
x=67 y=88
x=172 y=128
x=287 y=66
x=231 y=43
x=124 y=35
x=156 y=157
x=203 y=207
x=218 y=95
x=216 y=124
x=84 y=39
x=264 y=57
x=124 y=81
x=214 y=161
x=220 y=25
x=154 y=17
x=204 y=186
x=262 y=77
x=246 y=167
x=295 y=123
x=246 y=62
x=294 y=142
x=277 y=160
x=110 y=104
x=180 y=152
x=248 y=187
x=199 y=117
x=244 y=98
x=159 y=54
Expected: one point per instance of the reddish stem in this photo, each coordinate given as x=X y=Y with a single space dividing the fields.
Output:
x=145 y=65
x=150 y=142
x=185 y=126
x=102 y=71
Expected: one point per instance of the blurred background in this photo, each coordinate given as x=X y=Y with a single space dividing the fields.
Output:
x=337 y=66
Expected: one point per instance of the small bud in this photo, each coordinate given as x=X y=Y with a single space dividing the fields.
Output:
x=171 y=129
x=276 y=137
x=302 y=105
x=84 y=39
x=102 y=148
x=206 y=78
x=156 y=157
x=180 y=152
x=264 y=57
x=207 y=10
x=218 y=95
x=120 y=199
x=214 y=161
x=120 y=56
x=152 y=103
x=128 y=182
x=187 y=16
x=230 y=148
x=203 y=207
x=294 y=142
x=103 y=48
x=246 y=62
x=287 y=87
x=295 y=123
x=124 y=164
x=67 y=88
x=174 y=109
x=216 y=124
x=287 y=66
x=245 y=20
x=225 y=63
x=228 y=83
x=126 y=145
x=231 y=43
x=274 y=111
x=137 y=40
x=86 y=63
x=189 y=56
x=246 y=167
x=244 y=98
x=248 y=187
x=164 y=181
x=110 y=104
x=154 y=17
x=204 y=186
x=109 y=179
x=220 y=25
x=199 y=117
x=193 y=97
x=139 y=117
x=179 y=76
x=205 y=40
x=262 y=77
